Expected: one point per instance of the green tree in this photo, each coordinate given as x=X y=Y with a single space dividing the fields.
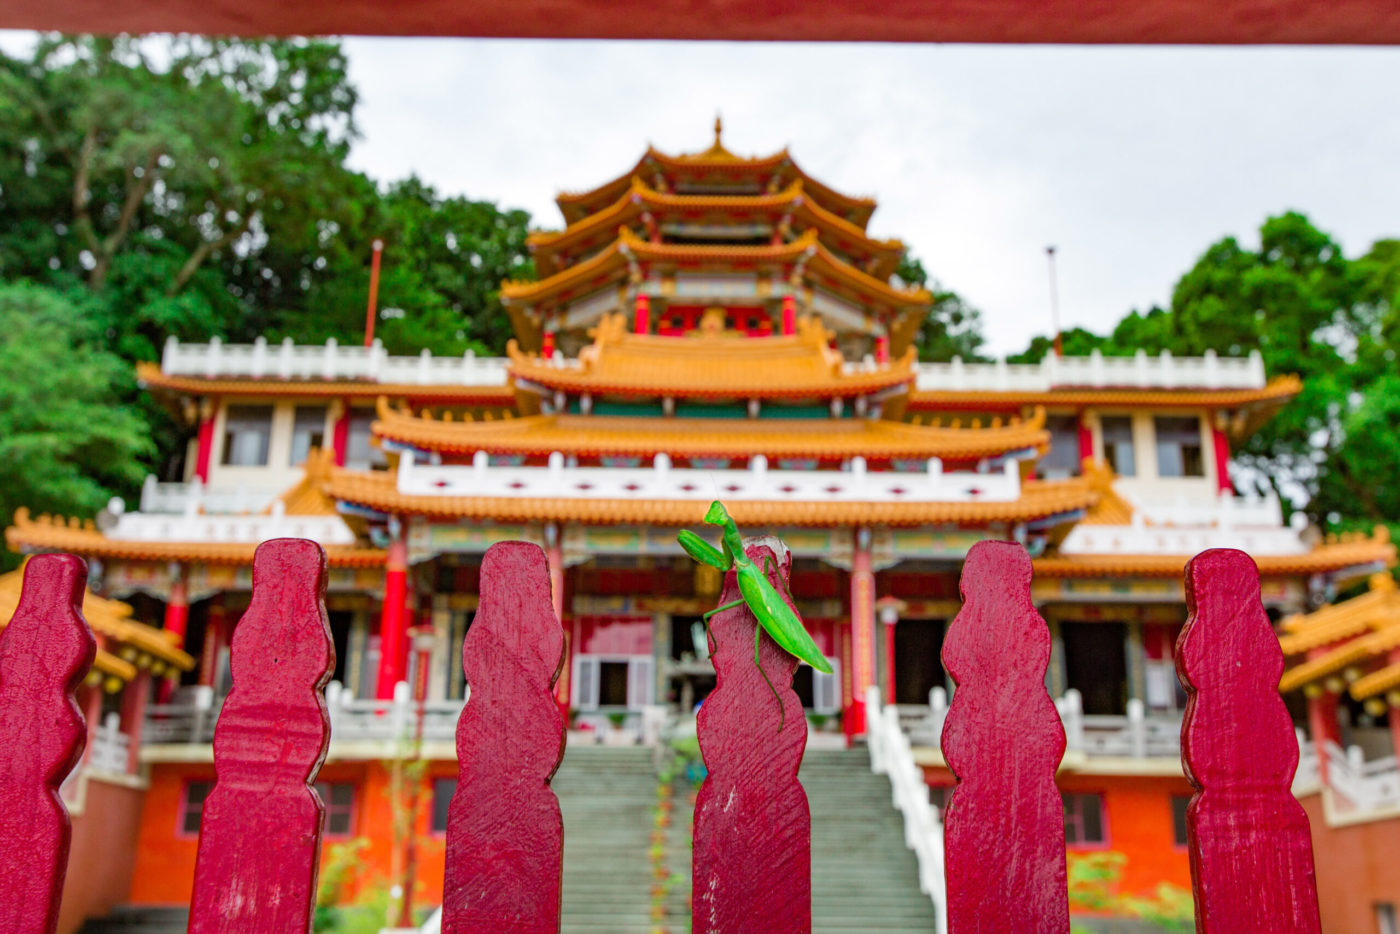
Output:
x=953 y=328
x=65 y=445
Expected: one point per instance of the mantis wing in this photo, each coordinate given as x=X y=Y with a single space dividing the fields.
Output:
x=703 y=551
x=773 y=613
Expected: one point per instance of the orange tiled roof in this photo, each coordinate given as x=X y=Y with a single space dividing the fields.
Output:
x=112 y=620
x=640 y=198
x=1334 y=556
x=1039 y=500
x=307 y=497
x=709 y=366
x=1280 y=388
x=1111 y=509
x=1355 y=631
x=49 y=534
x=150 y=376
x=619 y=436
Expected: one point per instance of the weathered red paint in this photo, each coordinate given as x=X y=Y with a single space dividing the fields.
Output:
x=1251 y=853
x=45 y=652
x=393 y=622
x=505 y=835
x=752 y=863
x=260 y=837
x=1004 y=830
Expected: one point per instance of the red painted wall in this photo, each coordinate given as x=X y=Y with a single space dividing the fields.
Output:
x=103 y=853
x=1356 y=868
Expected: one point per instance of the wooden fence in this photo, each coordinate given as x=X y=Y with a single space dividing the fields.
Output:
x=1251 y=858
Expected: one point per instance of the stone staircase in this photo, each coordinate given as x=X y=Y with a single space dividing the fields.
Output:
x=139 y=920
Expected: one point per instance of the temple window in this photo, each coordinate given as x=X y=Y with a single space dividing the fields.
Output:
x=192 y=807
x=612 y=684
x=1179 y=803
x=443 y=790
x=1084 y=823
x=247 y=433
x=308 y=431
x=359 y=453
x=1062 y=460
x=1117 y=434
x=339 y=799
x=1179 y=447
x=1096 y=665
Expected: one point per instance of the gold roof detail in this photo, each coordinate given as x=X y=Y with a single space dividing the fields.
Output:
x=1038 y=500
x=113 y=622
x=710 y=366
x=634 y=436
x=1354 y=632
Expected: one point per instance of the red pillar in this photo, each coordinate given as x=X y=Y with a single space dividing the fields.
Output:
x=1323 y=725
x=214 y=636
x=862 y=631
x=554 y=552
x=177 y=617
x=205 y=444
x=882 y=349
x=889 y=608
x=134 y=716
x=1086 y=440
x=340 y=434
x=789 y=315
x=92 y=713
x=547 y=345
x=642 y=319
x=1222 y=461
x=393 y=631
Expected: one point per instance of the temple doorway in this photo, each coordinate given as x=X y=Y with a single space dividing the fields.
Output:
x=918 y=662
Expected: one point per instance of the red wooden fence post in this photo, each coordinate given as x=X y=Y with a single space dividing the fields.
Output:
x=260 y=837
x=1004 y=830
x=505 y=835
x=1251 y=853
x=753 y=831
x=45 y=653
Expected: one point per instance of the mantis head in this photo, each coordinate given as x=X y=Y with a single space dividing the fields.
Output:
x=717 y=514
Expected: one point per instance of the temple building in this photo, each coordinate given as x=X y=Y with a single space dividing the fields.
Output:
x=705 y=326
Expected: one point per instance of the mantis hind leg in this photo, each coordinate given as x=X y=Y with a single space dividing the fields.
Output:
x=710 y=636
x=758 y=640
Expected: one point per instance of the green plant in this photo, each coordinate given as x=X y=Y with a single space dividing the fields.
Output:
x=617 y=719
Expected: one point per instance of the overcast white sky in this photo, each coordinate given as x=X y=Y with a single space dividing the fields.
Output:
x=1130 y=160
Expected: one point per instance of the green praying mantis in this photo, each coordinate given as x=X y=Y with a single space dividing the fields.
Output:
x=773 y=613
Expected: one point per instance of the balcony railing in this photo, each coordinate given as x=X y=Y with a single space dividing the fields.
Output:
x=189 y=524
x=1097 y=372
x=194 y=498
x=662 y=481
x=1183 y=525
x=329 y=361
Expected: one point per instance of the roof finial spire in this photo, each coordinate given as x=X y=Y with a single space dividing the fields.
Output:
x=719 y=130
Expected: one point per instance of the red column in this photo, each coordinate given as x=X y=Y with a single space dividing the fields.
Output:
x=882 y=349
x=1323 y=725
x=554 y=552
x=1222 y=461
x=213 y=642
x=889 y=608
x=789 y=315
x=134 y=716
x=862 y=631
x=393 y=631
x=642 y=319
x=340 y=434
x=547 y=345
x=92 y=713
x=205 y=444
x=1086 y=440
x=177 y=616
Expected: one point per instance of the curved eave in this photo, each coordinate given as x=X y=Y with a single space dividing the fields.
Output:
x=149 y=376
x=597 y=270
x=1277 y=392
x=30 y=536
x=1038 y=501
x=1359 y=557
x=874 y=290
x=619 y=436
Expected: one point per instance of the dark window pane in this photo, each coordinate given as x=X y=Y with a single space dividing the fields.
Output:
x=339 y=801
x=195 y=794
x=247 y=430
x=1062 y=460
x=443 y=790
x=612 y=684
x=1118 y=444
x=1179 y=447
x=1083 y=818
x=308 y=431
x=1179 y=803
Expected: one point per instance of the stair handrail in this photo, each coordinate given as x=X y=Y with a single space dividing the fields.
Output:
x=891 y=755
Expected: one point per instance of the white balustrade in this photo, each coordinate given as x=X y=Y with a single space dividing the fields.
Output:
x=663 y=481
x=1142 y=539
x=189 y=721
x=1365 y=785
x=193 y=498
x=891 y=755
x=189 y=525
x=329 y=361
x=1097 y=371
x=393 y=720
x=111 y=748
x=1223 y=510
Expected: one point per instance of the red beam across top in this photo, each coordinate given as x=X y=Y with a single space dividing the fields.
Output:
x=1239 y=22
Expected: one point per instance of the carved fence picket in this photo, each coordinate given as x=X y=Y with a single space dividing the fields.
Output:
x=1250 y=850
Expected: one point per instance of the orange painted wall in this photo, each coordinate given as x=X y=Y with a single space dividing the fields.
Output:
x=1356 y=868
x=1138 y=819
x=103 y=852
x=164 y=871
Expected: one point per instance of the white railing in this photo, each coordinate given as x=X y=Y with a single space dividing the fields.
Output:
x=1134 y=735
x=1098 y=372
x=1224 y=510
x=196 y=497
x=1138 y=538
x=111 y=748
x=662 y=481
x=393 y=720
x=923 y=830
x=192 y=526
x=330 y=361
x=1308 y=777
x=1367 y=786
x=189 y=722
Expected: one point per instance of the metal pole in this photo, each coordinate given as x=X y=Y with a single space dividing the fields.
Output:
x=373 y=307
x=1055 y=303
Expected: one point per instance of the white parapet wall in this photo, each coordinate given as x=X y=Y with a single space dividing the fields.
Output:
x=1096 y=371
x=328 y=361
x=190 y=523
x=662 y=481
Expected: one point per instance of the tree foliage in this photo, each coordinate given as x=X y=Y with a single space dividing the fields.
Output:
x=953 y=327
